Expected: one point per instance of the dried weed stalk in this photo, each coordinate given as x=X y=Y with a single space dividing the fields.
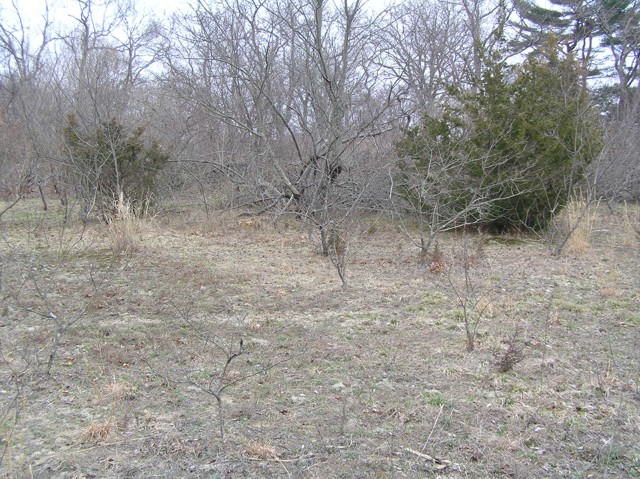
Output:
x=631 y=228
x=98 y=432
x=261 y=451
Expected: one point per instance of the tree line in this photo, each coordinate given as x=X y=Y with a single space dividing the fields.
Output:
x=471 y=112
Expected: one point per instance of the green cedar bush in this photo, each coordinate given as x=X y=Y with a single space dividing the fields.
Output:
x=110 y=165
x=523 y=140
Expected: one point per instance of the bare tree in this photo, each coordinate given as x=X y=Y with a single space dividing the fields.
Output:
x=425 y=49
x=297 y=85
x=220 y=360
x=616 y=173
x=22 y=60
x=24 y=79
x=469 y=276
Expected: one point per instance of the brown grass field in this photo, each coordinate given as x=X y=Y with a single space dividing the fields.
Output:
x=373 y=381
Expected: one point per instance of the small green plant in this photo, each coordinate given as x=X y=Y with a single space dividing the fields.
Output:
x=611 y=452
x=635 y=465
x=434 y=397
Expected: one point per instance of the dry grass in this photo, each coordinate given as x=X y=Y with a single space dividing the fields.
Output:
x=262 y=451
x=118 y=390
x=579 y=212
x=438 y=263
x=631 y=226
x=98 y=432
x=123 y=228
x=372 y=381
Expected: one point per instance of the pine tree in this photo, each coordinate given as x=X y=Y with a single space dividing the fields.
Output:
x=584 y=28
x=572 y=24
x=619 y=27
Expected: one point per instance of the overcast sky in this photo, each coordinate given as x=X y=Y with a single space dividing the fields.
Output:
x=62 y=10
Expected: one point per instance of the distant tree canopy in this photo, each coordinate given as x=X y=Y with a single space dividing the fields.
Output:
x=522 y=142
x=110 y=164
x=294 y=107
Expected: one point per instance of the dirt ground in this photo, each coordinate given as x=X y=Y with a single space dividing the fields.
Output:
x=315 y=381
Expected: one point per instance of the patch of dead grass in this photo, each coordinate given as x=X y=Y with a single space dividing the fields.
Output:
x=98 y=432
x=371 y=341
x=631 y=226
x=118 y=390
x=582 y=216
x=608 y=292
x=264 y=451
x=123 y=228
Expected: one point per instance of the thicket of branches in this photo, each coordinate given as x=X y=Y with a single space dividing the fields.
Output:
x=472 y=111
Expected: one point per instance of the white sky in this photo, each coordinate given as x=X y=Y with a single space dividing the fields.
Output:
x=61 y=10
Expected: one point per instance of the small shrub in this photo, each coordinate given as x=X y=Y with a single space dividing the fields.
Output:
x=434 y=397
x=338 y=248
x=337 y=242
x=118 y=390
x=110 y=161
x=507 y=358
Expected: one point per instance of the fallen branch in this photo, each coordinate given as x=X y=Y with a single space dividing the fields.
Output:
x=439 y=463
